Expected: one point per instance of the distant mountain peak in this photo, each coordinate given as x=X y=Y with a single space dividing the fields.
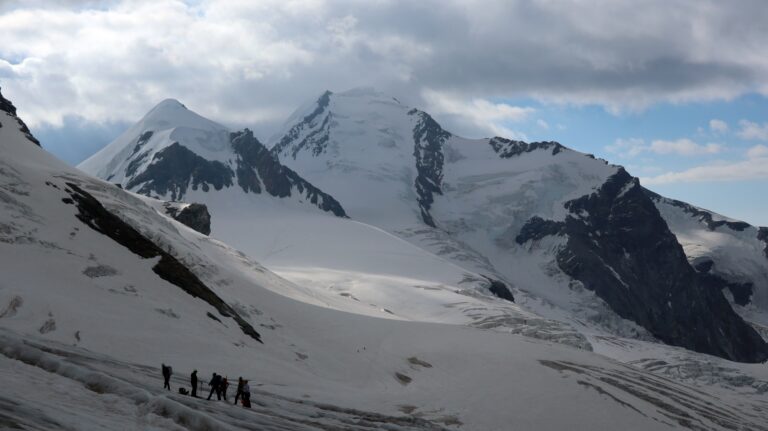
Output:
x=172 y=152
x=169 y=103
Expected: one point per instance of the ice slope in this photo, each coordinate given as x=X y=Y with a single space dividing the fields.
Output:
x=84 y=324
x=543 y=218
x=359 y=145
x=343 y=264
x=360 y=134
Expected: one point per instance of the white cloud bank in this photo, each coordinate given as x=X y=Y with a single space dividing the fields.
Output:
x=753 y=131
x=753 y=167
x=633 y=147
x=252 y=62
x=484 y=116
x=718 y=126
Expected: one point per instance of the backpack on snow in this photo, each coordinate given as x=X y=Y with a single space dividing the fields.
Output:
x=183 y=391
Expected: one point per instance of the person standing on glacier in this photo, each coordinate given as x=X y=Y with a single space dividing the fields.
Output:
x=215 y=385
x=239 y=392
x=193 y=382
x=167 y=371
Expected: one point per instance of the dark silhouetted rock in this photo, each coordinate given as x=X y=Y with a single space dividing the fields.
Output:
x=500 y=289
x=537 y=228
x=620 y=247
x=762 y=235
x=176 y=167
x=428 y=138
x=259 y=170
x=195 y=216
x=507 y=148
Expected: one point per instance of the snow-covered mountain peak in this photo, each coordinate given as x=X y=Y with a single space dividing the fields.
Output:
x=361 y=116
x=170 y=113
x=173 y=151
x=169 y=103
x=168 y=123
x=566 y=213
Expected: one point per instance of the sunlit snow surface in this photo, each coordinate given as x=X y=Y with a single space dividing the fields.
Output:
x=364 y=309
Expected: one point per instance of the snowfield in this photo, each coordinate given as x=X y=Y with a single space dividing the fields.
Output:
x=357 y=328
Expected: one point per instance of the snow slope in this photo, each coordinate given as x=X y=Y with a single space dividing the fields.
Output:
x=554 y=224
x=343 y=264
x=85 y=321
x=573 y=238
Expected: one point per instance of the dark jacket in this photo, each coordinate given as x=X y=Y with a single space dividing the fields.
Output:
x=193 y=380
x=215 y=381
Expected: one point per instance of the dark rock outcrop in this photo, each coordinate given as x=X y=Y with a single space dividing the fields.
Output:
x=259 y=170
x=620 y=247
x=762 y=235
x=537 y=228
x=500 y=289
x=7 y=106
x=741 y=291
x=170 y=269
x=174 y=168
x=317 y=140
x=507 y=148
x=428 y=138
x=195 y=216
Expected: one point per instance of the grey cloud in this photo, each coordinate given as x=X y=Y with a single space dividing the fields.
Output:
x=251 y=63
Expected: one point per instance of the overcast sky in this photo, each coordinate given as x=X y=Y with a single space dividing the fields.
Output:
x=674 y=90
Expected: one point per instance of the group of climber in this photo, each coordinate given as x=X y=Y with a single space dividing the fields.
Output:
x=218 y=384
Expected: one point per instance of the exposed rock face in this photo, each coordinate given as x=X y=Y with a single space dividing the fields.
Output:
x=428 y=138
x=98 y=218
x=762 y=235
x=259 y=170
x=172 y=151
x=620 y=247
x=537 y=228
x=175 y=168
x=317 y=140
x=507 y=148
x=7 y=106
x=500 y=289
x=195 y=216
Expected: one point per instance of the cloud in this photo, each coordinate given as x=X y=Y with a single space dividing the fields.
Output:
x=631 y=147
x=754 y=167
x=542 y=124
x=757 y=151
x=682 y=147
x=245 y=62
x=753 y=131
x=485 y=116
x=718 y=126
